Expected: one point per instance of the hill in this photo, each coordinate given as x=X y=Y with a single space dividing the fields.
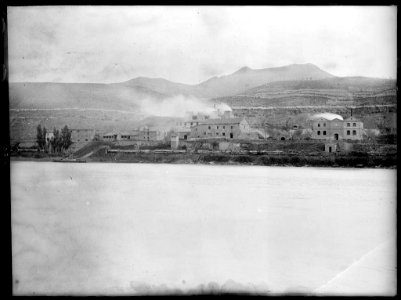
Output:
x=165 y=87
x=246 y=78
x=328 y=91
x=45 y=95
x=127 y=95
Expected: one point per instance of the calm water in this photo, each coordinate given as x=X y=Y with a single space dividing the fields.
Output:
x=120 y=228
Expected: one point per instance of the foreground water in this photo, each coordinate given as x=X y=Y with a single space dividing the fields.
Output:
x=129 y=228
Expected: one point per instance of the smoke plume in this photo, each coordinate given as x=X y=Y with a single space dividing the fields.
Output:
x=180 y=106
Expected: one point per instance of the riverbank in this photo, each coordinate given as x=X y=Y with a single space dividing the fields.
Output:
x=334 y=160
x=220 y=158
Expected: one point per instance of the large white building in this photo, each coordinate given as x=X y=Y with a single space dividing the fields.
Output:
x=328 y=126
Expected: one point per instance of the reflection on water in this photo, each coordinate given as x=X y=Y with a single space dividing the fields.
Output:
x=130 y=228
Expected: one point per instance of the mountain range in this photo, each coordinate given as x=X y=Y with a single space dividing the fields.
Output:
x=125 y=95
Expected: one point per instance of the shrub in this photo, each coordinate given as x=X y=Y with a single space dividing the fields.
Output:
x=216 y=158
x=243 y=159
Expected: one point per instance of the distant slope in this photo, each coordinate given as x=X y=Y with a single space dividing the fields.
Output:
x=77 y=95
x=125 y=95
x=246 y=78
x=166 y=87
x=329 y=91
x=241 y=80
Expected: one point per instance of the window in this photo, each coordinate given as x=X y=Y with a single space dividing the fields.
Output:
x=324 y=124
x=232 y=127
x=224 y=127
x=348 y=132
x=217 y=127
x=217 y=133
x=209 y=127
x=318 y=124
x=354 y=124
x=324 y=132
x=318 y=133
x=205 y=133
x=353 y=132
x=224 y=133
x=349 y=124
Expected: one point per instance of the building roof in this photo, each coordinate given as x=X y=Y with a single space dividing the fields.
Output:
x=110 y=134
x=351 y=118
x=81 y=129
x=326 y=116
x=222 y=121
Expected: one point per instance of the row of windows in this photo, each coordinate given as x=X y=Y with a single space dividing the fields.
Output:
x=348 y=124
x=217 y=127
x=223 y=134
x=210 y=133
x=348 y=132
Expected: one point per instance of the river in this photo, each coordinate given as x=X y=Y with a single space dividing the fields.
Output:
x=104 y=228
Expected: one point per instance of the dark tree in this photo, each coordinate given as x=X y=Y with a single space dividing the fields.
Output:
x=40 y=136
x=65 y=138
x=55 y=141
x=44 y=132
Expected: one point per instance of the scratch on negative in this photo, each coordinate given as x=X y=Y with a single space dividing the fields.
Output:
x=340 y=274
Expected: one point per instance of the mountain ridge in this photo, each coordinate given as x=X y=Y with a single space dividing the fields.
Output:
x=127 y=94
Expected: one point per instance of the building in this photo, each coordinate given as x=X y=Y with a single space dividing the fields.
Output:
x=110 y=137
x=224 y=128
x=330 y=147
x=353 y=129
x=174 y=141
x=183 y=133
x=193 y=121
x=143 y=134
x=328 y=126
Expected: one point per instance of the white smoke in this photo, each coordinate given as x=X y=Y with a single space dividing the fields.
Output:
x=223 y=107
x=179 y=106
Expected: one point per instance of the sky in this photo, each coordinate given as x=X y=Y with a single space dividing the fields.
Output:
x=190 y=44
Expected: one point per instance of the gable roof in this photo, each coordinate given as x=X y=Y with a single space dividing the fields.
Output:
x=352 y=119
x=223 y=121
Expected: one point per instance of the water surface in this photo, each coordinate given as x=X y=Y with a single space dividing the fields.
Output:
x=103 y=228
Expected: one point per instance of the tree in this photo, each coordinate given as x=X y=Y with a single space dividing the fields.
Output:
x=65 y=138
x=44 y=132
x=55 y=141
x=41 y=136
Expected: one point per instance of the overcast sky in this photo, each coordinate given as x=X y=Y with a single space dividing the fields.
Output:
x=191 y=44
